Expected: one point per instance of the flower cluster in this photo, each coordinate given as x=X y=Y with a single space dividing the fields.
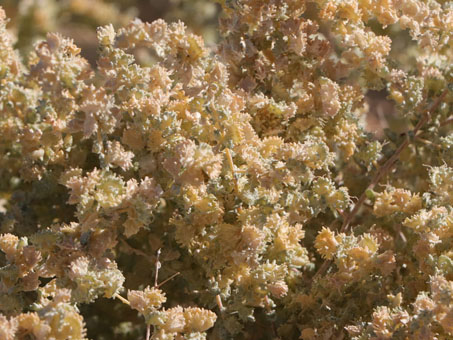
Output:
x=243 y=176
x=170 y=323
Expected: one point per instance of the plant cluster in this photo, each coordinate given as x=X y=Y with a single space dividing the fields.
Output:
x=231 y=191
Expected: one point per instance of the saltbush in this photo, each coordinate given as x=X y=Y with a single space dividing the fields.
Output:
x=172 y=189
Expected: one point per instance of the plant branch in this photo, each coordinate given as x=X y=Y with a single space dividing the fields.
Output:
x=387 y=166
x=136 y=251
x=123 y=300
x=168 y=279
x=446 y=121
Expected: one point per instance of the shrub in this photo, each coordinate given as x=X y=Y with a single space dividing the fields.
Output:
x=231 y=191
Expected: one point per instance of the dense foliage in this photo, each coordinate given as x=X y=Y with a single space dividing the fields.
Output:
x=175 y=190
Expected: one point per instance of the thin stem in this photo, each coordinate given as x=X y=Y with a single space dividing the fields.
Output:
x=148 y=332
x=168 y=279
x=446 y=121
x=392 y=160
x=427 y=142
x=322 y=269
x=218 y=300
x=123 y=300
x=231 y=164
x=156 y=274
x=136 y=251
x=383 y=170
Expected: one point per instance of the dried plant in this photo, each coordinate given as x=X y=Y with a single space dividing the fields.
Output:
x=240 y=176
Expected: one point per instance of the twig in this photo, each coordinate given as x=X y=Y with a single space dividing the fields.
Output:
x=148 y=332
x=269 y=309
x=156 y=274
x=427 y=142
x=392 y=160
x=136 y=251
x=168 y=279
x=383 y=170
x=322 y=269
x=447 y=121
x=123 y=300
x=231 y=164
x=380 y=173
x=218 y=300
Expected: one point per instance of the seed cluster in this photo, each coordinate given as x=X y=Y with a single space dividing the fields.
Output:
x=229 y=191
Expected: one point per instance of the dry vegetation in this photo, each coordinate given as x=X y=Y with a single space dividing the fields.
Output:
x=285 y=175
